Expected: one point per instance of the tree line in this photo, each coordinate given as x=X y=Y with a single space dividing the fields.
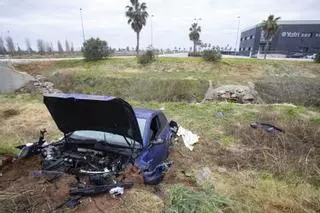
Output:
x=8 y=46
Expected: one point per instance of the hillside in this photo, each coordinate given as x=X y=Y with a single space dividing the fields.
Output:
x=233 y=168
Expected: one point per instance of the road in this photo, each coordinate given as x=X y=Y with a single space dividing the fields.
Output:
x=174 y=55
x=11 y=80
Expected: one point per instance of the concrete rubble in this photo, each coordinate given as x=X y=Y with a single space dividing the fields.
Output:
x=233 y=93
x=39 y=85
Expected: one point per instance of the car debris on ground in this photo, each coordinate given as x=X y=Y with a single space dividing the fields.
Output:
x=267 y=127
x=189 y=138
x=103 y=137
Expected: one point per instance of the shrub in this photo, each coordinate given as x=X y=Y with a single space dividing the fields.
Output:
x=211 y=55
x=95 y=49
x=146 y=58
x=317 y=58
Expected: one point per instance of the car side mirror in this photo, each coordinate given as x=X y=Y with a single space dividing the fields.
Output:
x=174 y=127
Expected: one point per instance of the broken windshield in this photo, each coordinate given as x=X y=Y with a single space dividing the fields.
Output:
x=108 y=137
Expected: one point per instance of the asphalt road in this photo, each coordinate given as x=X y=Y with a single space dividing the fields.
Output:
x=11 y=80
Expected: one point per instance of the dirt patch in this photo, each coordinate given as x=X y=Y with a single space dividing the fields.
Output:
x=35 y=68
x=10 y=113
x=21 y=191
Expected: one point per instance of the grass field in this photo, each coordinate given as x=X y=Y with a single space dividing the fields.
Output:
x=250 y=170
x=181 y=79
x=233 y=168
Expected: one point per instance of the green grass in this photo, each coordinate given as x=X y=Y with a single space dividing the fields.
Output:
x=183 y=68
x=185 y=200
x=181 y=79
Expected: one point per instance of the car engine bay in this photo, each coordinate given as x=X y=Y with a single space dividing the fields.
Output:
x=74 y=159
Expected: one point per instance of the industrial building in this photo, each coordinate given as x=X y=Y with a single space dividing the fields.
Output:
x=293 y=38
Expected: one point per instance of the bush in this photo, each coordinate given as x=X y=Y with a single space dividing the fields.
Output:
x=211 y=55
x=317 y=58
x=146 y=58
x=95 y=49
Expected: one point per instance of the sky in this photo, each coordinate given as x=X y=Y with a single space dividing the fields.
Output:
x=60 y=20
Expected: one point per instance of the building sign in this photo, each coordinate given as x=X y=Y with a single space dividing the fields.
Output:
x=298 y=35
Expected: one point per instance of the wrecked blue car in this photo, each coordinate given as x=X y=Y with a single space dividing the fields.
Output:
x=102 y=136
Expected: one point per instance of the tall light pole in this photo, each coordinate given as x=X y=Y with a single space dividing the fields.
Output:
x=152 y=31
x=236 y=46
x=83 y=36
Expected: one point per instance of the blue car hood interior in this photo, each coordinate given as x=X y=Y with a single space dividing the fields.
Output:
x=72 y=112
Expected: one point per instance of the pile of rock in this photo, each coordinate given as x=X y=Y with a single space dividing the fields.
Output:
x=39 y=85
x=234 y=93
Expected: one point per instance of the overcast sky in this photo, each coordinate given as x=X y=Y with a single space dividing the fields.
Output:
x=60 y=20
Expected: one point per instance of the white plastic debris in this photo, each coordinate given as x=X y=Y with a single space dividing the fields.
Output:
x=189 y=138
x=29 y=144
x=116 y=191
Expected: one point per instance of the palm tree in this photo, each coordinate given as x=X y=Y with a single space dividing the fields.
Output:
x=270 y=29
x=137 y=18
x=194 y=35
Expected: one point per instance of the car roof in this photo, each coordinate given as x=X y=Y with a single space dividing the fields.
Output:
x=145 y=113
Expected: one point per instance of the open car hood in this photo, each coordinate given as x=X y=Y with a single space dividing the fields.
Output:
x=73 y=112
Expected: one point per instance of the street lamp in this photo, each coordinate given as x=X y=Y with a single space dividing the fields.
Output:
x=236 y=46
x=152 y=31
x=83 y=36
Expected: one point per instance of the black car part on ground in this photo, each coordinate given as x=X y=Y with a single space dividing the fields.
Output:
x=267 y=127
x=33 y=149
x=89 y=190
x=79 y=191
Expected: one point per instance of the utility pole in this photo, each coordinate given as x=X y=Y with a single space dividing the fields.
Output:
x=83 y=36
x=236 y=47
x=152 y=31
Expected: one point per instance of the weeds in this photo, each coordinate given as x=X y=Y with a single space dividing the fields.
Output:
x=140 y=89
x=186 y=200
x=294 y=152
x=302 y=91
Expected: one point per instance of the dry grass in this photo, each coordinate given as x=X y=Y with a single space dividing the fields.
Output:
x=133 y=199
x=21 y=122
x=260 y=172
x=294 y=152
x=252 y=191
